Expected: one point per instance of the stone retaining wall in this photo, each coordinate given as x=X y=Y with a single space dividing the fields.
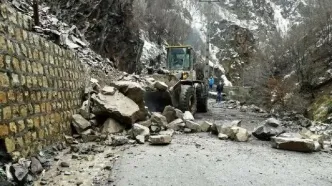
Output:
x=40 y=86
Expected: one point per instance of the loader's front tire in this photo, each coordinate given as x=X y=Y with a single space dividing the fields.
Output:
x=188 y=100
x=202 y=100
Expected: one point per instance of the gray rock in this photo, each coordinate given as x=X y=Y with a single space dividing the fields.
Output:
x=176 y=125
x=119 y=140
x=20 y=171
x=188 y=116
x=108 y=90
x=135 y=92
x=158 y=120
x=146 y=123
x=85 y=110
x=64 y=164
x=186 y=130
x=195 y=127
x=140 y=139
x=225 y=127
x=160 y=139
x=167 y=132
x=140 y=130
x=170 y=113
x=155 y=129
x=69 y=139
x=80 y=124
x=111 y=126
x=240 y=134
x=36 y=166
x=206 y=126
x=293 y=144
x=268 y=129
x=117 y=106
x=160 y=86
x=222 y=136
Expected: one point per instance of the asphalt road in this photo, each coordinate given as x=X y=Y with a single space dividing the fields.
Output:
x=200 y=160
x=203 y=160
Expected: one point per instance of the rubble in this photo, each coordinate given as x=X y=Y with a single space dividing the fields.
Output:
x=222 y=136
x=158 y=119
x=111 y=126
x=80 y=124
x=160 y=140
x=170 y=113
x=176 y=125
x=169 y=132
x=269 y=128
x=119 y=140
x=239 y=134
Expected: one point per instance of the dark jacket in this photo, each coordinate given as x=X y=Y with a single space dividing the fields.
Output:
x=220 y=88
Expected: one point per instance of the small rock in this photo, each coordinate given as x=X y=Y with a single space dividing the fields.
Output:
x=241 y=134
x=195 y=127
x=64 y=164
x=160 y=86
x=167 y=132
x=111 y=126
x=206 y=126
x=80 y=124
x=268 y=129
x=222 y=136
x=43 y=183
x=176 y=125
x=188 y=116
x=36 y=166
x=186 y=130
x=67 y=173
x=160 y=139
x=119 y=140
x=158 y=119
x=140 y=139
x=170 y=113
x=108 y=90
x=74 y=156
x=155 y=129
x=19 y=171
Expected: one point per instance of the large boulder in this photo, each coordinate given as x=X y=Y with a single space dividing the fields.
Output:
x=117 y=106
x=158 y=119
x=36 y=166
x=188 y=116
x=176 y=125
x=195 y=127
x=138 y=131
x=268 y=129
x=111 y=126
x=170 y=113
x=135 y=92
x=80 y=124
x=160 y=140
x=293 y=144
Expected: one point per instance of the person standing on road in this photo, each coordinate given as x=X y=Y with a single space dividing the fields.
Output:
x=220 y=89
x=211 y=82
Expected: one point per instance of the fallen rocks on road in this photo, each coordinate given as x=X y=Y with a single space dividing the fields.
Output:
x=176 y=125
x=269 y=128
x=222 y=136
x=170 y=113
x=111 y=126
x=117 y=106
x=205 y=126
x=239 y=134
x=188 y=116
x=293 y=144
x=160 y=140
x=195 y=127
x=158 y=119
x=80 y=124
x=119 y=140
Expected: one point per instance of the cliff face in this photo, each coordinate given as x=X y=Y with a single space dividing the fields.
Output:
x=108 y=25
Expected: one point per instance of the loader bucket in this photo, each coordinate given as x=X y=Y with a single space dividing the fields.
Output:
x=156 y=101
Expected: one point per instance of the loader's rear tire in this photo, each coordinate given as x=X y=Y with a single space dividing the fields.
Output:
x=202 y=100
x=188 y=101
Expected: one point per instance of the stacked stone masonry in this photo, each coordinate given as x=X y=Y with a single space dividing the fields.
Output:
x=40 y=86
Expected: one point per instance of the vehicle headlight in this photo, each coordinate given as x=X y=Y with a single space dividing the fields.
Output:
x=184 y=75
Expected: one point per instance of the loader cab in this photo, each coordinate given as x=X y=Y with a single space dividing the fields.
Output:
x=180 y=58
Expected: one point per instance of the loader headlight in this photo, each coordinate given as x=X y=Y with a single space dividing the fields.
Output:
x=185 y=75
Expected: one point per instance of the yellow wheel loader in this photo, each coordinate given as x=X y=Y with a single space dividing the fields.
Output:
x=187 y=83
